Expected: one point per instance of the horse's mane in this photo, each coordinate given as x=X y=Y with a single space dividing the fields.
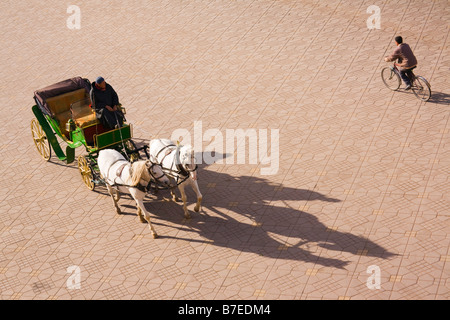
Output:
x=138 y=168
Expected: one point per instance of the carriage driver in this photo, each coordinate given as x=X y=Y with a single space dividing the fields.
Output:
x=106 y=103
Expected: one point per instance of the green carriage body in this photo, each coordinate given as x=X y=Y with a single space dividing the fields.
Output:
x=65 y=110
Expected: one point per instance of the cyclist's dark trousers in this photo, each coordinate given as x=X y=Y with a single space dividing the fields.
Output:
x=406 y=75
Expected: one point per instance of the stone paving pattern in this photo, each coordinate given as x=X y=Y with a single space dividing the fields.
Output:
x=363 y=173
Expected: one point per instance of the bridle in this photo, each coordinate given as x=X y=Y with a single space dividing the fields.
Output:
x=182 y=171
x=152 y=175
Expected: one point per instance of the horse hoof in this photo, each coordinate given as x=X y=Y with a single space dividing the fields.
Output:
x=155 y=236
x=198 y=205
x=187 y=216
x=142 y=220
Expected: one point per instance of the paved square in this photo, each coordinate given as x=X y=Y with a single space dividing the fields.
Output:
x=358 y=209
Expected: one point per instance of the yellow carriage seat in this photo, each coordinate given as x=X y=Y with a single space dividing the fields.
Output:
x=60 y=106
x=83 y=114
x=72 y=105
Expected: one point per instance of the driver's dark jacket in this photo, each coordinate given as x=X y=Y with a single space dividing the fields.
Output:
x=105 y=98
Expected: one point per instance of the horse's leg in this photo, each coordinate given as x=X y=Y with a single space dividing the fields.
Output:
x=187 y=215
x=138 y=196
x=194 y=185
x=140 y=215
x=174 y=196
x=111 y=193
x=116 y=195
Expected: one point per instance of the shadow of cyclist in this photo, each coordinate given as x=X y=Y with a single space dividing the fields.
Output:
x=440 y=98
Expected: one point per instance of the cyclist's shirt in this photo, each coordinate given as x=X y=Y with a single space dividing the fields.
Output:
x=405 y=56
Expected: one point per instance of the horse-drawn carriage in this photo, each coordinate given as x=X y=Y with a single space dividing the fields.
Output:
x=65 y=109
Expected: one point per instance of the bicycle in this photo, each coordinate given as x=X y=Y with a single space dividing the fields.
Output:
x=419 y=85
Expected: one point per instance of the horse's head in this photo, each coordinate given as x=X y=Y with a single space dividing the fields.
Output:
x=157 y=174
x=187 y=159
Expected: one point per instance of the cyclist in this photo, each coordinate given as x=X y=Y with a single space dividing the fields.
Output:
x=406 y=60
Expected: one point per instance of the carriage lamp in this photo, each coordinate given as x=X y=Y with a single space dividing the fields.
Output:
x=70 y=125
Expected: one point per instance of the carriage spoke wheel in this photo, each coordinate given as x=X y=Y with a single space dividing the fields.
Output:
x=86 y=172
x=40 y=140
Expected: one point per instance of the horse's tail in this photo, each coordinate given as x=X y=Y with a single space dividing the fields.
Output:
x=138 y=168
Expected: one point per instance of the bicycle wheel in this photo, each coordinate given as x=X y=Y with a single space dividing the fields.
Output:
x=421 y=88
x=391 y=78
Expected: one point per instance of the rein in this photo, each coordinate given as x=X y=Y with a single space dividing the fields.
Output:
x=140 y=187
x=181 y=171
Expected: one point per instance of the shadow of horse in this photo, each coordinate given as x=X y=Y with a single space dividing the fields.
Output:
x=244 y=213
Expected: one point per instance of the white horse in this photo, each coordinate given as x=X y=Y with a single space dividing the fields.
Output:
x=122 y=176
x=177 y=162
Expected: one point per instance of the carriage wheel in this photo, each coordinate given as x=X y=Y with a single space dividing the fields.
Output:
x=86 y=172
x=40 y=140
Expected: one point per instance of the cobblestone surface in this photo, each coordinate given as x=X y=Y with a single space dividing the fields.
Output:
x=363 y=176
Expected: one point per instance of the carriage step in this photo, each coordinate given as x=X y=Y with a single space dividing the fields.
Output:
x=49 y=132
x=70 y=154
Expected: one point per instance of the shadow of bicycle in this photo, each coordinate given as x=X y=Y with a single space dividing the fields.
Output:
x=440 y=98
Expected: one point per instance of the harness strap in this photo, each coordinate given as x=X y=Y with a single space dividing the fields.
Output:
x=120 y=169
x=180 y=167
x=164 y=148
x=181 y=171
x=140 y=187
x=118 y=160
